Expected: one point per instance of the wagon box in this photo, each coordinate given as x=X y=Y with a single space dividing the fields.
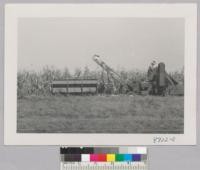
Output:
x=74 y=86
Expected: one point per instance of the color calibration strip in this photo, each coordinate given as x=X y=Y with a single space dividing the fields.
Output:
x=106 y=158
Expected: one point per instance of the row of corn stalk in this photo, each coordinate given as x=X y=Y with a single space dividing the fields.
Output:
x=38 y=83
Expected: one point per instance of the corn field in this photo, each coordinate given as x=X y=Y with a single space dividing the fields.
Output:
x=38 y=83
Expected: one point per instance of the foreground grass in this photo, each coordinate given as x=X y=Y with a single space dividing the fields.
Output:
x=100 y=114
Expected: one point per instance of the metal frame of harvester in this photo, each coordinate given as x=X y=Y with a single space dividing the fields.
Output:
x=159 y=82
x=114 y=83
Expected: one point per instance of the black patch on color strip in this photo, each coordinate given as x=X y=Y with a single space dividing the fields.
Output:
x=77 y=150
x=72 y=157
x=87 y=150
x=71 y=150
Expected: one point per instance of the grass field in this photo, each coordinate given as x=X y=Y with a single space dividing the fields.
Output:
x=100 y=114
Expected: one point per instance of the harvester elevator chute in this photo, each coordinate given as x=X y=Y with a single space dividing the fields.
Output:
x=114 y=81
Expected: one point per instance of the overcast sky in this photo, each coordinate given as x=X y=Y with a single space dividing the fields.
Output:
x=130 y=43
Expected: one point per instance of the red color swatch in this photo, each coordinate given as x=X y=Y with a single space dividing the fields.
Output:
x=102 y=158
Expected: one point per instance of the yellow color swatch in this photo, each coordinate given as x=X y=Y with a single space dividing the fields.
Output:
x=110 y=157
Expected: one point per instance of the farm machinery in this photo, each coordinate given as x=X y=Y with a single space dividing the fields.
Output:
x=158 y=82
x=113 y=83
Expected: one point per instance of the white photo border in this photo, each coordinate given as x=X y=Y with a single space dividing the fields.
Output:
x=188 y=11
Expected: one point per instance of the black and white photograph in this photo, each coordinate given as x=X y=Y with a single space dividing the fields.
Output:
x=102 y=75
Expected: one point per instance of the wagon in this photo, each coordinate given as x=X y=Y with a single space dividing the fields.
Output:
x=75 y=86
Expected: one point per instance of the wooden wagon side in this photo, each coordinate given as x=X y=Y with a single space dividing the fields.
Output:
x=75 y=86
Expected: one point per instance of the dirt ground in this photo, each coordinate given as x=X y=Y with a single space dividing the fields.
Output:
x=100 y=114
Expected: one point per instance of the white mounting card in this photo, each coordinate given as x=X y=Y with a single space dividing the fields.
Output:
x=80 y=74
